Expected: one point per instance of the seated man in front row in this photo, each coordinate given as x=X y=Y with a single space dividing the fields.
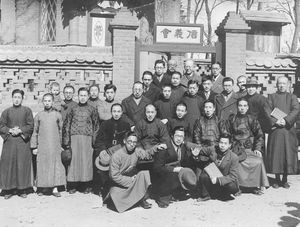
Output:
x=227 y=162
x=170 y=169
x=129 y=186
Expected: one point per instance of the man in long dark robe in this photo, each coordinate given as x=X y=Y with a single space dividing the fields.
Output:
x=247 y=145
x=111 y=134
x=151 y=91
x=258 y=104
x=16 y=127
x=282 y=143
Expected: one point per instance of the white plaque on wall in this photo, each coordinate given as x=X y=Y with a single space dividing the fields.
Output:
x=98 y=31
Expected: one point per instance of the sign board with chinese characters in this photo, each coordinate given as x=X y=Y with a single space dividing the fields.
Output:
x=179 y=33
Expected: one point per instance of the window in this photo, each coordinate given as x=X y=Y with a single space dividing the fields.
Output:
x=48 y=21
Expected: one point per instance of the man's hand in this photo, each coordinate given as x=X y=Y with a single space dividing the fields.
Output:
x=164 y=121
x=132 y=128
x=161 y=146
x=133 y=178
x=214 y=180
x=177 y=169
x=257 y=153
x=35 y=151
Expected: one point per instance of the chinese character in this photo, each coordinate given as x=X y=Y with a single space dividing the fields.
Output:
x=165 y=33
x=192 y=34
x=178 y=33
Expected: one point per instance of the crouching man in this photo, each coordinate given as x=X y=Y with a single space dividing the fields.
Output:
x=129 y=187
x=171 y=172
x=222 y=181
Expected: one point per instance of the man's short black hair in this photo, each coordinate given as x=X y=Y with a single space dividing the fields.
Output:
x=94 y=85
x=69 y=86
x=193 y=82
x=110 y=86
x=226 y=136
x=226 y=79
x=209 y=101
x=83 y=89
x=116 y=104
x=206 y=78
x=147 y=73
x=218 y=63
x=176 y=72
x=177 y=128
x=128 y=134
x=21 y=92
x=48 y=94
x=159 y=61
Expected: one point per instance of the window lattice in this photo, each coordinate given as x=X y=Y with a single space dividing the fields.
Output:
x=48 y=21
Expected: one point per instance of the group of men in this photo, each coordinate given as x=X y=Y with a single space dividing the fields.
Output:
x=176 y=136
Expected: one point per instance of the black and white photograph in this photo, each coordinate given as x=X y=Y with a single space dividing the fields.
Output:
x=165 y=113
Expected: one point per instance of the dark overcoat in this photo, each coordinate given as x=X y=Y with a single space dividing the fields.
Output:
x=132 y=112
x=225 y=109
x=282 y=149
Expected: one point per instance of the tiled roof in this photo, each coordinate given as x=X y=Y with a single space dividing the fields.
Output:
x=264 y=16
x=56 y=54
x=268 y=61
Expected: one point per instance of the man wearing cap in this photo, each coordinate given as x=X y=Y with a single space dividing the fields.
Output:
x=109 y=138
x=171 y=170
x=258 y=104
x=129 y=186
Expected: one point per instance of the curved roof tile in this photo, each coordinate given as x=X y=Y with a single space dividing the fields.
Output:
x=60 y=54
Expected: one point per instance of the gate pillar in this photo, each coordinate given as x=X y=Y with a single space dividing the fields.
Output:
x=123 y=34
x=232 y=37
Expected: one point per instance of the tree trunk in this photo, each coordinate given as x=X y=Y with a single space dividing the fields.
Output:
x=209 y=27
x=297 y=26
x=188 y=17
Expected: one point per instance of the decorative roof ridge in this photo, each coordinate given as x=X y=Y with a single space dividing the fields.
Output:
x=232 y=22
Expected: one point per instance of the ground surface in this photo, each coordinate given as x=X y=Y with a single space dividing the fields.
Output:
x=277 y=207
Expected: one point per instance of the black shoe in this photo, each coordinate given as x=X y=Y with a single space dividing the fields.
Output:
x=239 y=193
x=286 y=185
x=72 y=191
x=203 y=199
x=145 y=204
x=257 y=192
x=162 y=205
x=275 y=185
x=8 y=196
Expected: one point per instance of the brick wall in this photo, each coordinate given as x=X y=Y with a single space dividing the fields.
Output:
x=36 y=81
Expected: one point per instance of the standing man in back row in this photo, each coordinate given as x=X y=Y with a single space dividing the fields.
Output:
x=190 y=73
x=282 y=143
x=159 y=77
x=216 y=70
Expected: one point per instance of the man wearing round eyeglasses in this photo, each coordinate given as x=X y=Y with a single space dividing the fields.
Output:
x=160 y=78
x=130 y=185
x=134 y=105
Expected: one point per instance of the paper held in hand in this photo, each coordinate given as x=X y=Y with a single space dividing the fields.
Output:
x=213 y=171
x=278 y=114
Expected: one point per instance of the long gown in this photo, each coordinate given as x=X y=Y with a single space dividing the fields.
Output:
x=125 y=191
x=47 y=138
x=282 y=146
x=16 y=158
